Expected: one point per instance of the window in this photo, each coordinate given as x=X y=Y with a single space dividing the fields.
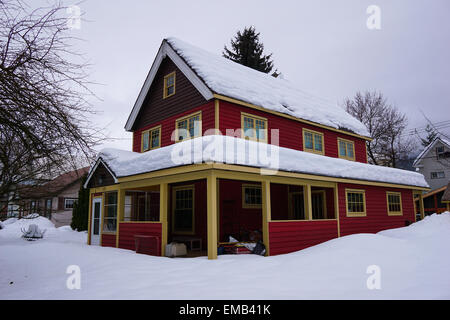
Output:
x=355 y=202
x=183 y=209
x=253 y=127
x=346 y=149
x=189 y=127
x=68 y=203
x=313 y=141
x=251 y=196
x=169 y=85
x=438 y=175
x=141 y=206
x=394 y=203
x=441 y=153
x=110 y=212
x=48 y=205
x=33 y=206
x=151 y=139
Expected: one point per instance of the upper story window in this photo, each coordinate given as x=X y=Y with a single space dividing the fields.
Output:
x=253 y=127
x=169 y=85
x=151 y=139
x=355 y=202
x=394 y=203
x=346 y=149
x=313 y=141
x=438 y=175
x=441 y=153
x=189 y=127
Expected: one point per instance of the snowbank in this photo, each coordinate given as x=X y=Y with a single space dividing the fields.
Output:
x=231 y=150
x=12 y=229
x=413 y=263
x=426 y=228
x=14 y=225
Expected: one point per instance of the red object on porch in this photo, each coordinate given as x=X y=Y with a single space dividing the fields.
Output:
x=147 y=245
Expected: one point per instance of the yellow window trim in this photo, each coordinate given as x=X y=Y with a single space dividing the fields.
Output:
x=394 y=213
x=248 y=115
x=187 y=117
x=355 y=214
x=339 y=149
x=174 y=190
x=165 y=95
x=150 y=138
x=313 y=150
x=250 y=206
x=104 y=211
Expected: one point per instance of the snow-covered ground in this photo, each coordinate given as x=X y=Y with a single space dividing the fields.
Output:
x=414 y=263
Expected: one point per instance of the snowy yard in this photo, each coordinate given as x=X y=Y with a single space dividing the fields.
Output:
x=414 y=263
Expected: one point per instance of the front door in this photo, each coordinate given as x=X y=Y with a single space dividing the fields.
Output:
x=96 y=221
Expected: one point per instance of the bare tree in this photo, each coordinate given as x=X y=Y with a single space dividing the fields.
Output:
x=385 y=125
x=44 y=125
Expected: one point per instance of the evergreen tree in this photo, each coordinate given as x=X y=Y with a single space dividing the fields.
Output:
x=248 y=51
x=80 y=213
x=431 y=135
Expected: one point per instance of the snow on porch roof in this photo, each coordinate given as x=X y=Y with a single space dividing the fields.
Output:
x=237 y=151
x=234 y=80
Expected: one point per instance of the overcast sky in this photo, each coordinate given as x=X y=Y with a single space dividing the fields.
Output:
x=324 y=47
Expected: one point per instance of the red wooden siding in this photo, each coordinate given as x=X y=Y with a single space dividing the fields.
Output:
x=377 y=218
x=290 y=131
x=108 y=240
x=290 y=236
x=234 y=219
x=200 y=211
x=127 y=231
x=155 y=108
x=168 y=125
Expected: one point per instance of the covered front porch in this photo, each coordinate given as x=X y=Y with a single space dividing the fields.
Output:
x=210 y=203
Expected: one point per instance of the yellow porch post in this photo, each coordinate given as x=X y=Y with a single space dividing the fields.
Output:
x=336 y=208
x=163 y=197
x=120 y=212
x=211 y=186
x=266 y=213
x=308 y=201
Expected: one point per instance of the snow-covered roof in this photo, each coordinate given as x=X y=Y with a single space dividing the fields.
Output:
x=429 y=147
x=237 y=151
x=225 y=77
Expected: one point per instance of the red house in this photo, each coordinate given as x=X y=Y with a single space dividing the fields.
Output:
x=223 y=150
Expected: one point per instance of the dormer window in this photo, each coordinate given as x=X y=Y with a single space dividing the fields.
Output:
x=169 y=85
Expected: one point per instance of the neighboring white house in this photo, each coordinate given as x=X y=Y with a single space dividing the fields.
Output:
x=434 y=163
